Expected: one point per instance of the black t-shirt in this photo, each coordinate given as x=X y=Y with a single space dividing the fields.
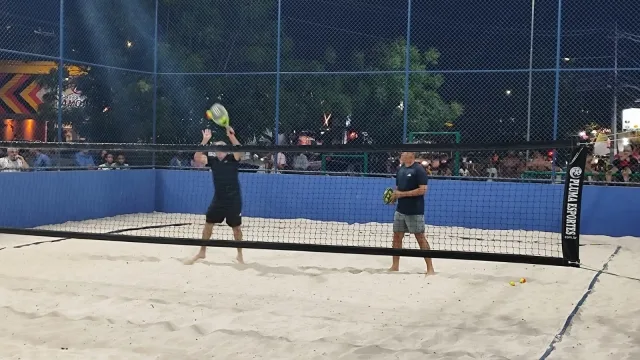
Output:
x=225 y=176
x=410 y=178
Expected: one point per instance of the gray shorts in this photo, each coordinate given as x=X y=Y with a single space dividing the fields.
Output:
x=412 y=224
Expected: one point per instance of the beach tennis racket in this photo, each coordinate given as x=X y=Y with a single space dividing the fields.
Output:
x=387 y=196
x=218 y=114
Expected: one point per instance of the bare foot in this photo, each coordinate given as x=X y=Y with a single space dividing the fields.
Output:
x=195 y=258
x=429 y=273
x=240 y=259
x=394 y=268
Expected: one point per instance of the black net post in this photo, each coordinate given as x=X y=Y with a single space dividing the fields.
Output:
x=572 y=203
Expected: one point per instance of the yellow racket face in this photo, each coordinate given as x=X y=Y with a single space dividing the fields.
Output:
x=386 y=196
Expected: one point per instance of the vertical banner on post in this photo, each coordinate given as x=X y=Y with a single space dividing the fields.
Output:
x=572 y=203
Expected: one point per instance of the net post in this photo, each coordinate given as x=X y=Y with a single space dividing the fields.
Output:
x=572 y=203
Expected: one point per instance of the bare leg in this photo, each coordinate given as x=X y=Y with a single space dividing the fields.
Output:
x=397 y=244
x=424 y=245
x=237 y=235
x=206 y=235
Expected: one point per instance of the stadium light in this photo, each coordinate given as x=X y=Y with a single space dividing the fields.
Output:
x=508 y=92
x=129 y=44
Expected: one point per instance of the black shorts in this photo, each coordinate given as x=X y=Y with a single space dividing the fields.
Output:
x=221 y=209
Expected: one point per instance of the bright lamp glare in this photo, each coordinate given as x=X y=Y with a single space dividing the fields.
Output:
x=625 y=141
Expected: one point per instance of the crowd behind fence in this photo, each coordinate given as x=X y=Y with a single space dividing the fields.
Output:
x=328 y=71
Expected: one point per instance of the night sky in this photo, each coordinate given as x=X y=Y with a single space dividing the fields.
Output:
x=475 y=38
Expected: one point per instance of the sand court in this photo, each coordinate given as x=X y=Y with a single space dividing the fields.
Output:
x=83 y=299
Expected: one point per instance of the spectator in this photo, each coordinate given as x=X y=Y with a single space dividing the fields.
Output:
x=13 y=161
x=41 y=161
x=266 y=166
x=300 y=162
x=84 y=159
x=199 y=160
x=539 y=163
x=281 y=163
x=590 y=168
x=511 y=165
x=492 y=168
x=464 y=169
x=121 y=163
x=625 y=164
x=445 y=165
x=103 y=156
x=108 y=164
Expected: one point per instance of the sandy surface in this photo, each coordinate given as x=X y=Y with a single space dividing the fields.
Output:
x=83 y=299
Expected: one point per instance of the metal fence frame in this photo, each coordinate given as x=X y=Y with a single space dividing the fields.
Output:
x=557 y=71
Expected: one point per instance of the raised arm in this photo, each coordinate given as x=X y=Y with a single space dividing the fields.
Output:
x=206 y=136
x=234 y=141
x=25 y=164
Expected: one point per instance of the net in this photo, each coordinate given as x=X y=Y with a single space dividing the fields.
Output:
x=289 y=200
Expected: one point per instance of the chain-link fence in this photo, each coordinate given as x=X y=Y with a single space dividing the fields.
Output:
x=330 y=71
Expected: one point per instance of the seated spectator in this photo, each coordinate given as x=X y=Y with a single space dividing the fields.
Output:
x=590 y=168
x=538 y=163
x=199 y=160
x=492 y=167
x=445 y=165
x=511 y=165
x=108 y=164
x=180 y=160
x=41 y=161
x=266 y=166
x=103 y=156
x=464 y=169
x=121 y=163
x=300 y=162
x=13 y=161
x=281 y=163
x=625 y=164
x=84 y=159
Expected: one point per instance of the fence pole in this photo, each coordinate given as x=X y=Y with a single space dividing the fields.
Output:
x=60 y=69
x=154 y=103
x=277 y=120
x=407 y=60
x=278 y=55
x=556 y=99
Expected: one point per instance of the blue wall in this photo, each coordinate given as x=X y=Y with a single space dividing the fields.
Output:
x=38 y=198
x=475 y=204
x=52 y=197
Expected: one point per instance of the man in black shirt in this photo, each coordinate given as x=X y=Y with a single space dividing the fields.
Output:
x=227 y=198
x=411 y=185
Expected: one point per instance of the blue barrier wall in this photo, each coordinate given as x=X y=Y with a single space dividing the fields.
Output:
x=610 y=210
x=39 y=198
x=473 y=204
x=52 y=197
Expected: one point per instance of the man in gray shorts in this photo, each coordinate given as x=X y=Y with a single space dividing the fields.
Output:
x=411 y=185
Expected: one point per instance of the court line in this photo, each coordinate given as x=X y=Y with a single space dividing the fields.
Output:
x=109 y=232
x=567 y=323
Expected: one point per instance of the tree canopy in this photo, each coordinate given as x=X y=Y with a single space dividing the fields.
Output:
x=205 y=52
